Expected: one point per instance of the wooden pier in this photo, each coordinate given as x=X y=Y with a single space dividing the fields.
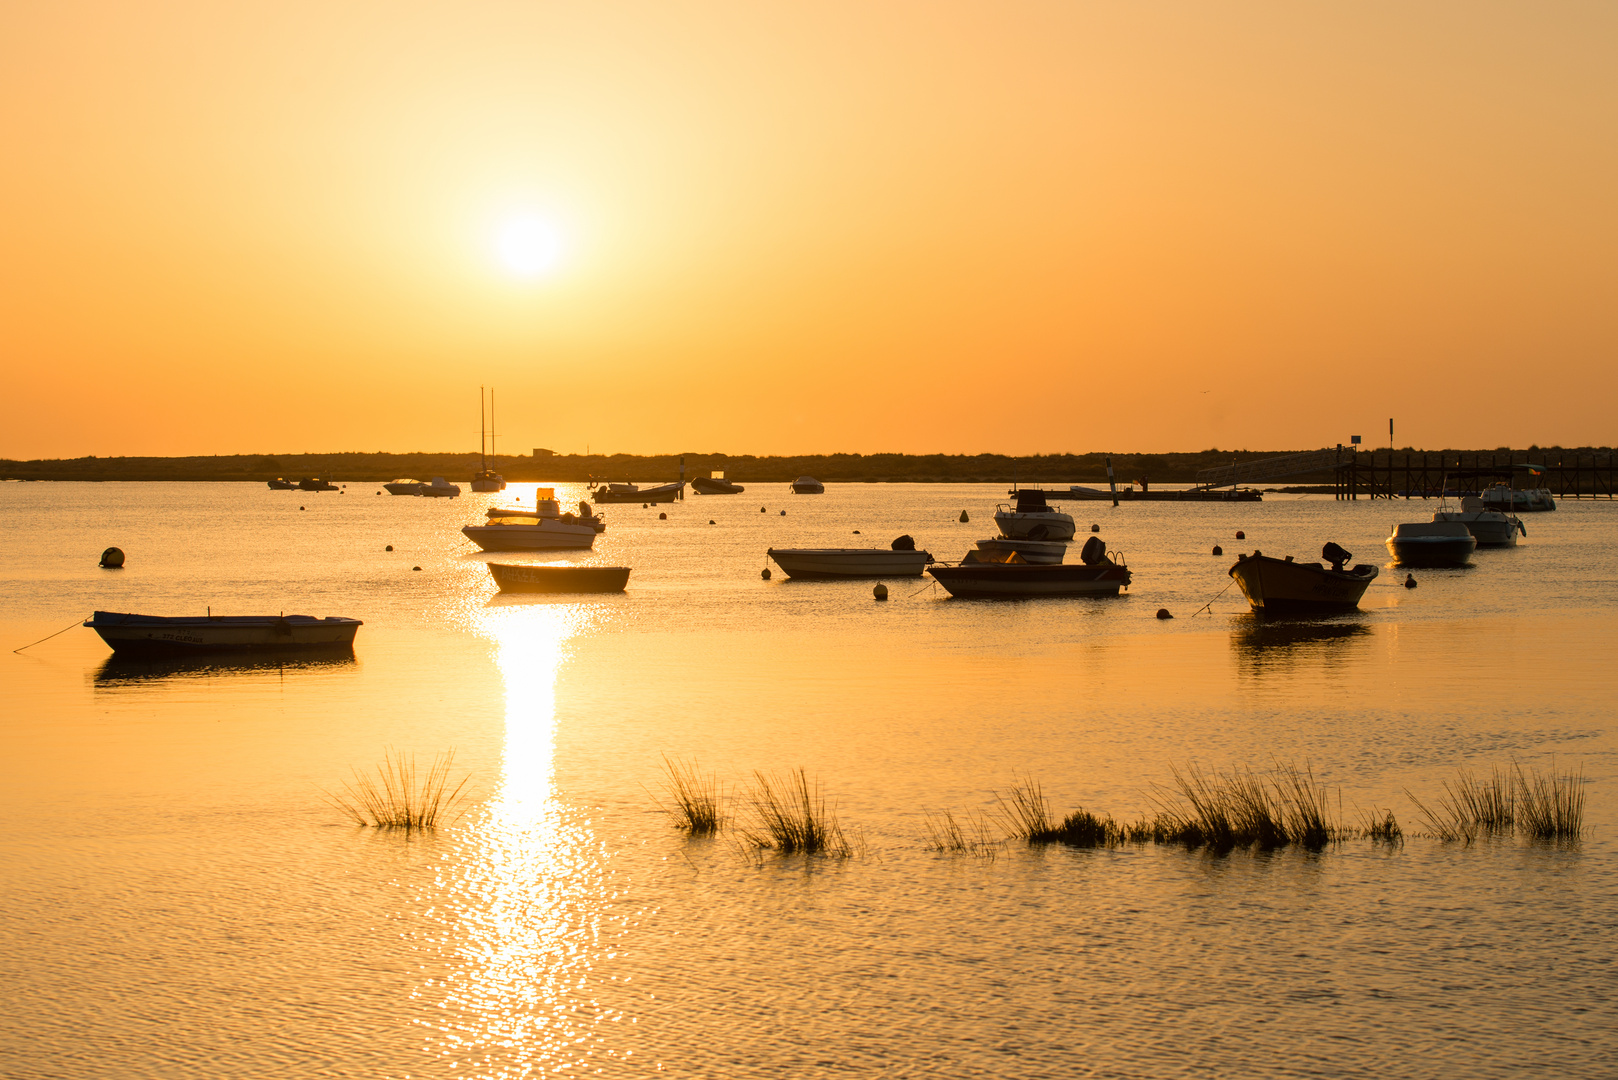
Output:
x=1384 y=474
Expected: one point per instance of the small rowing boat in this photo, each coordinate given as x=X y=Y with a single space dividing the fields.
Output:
x=559 y=579
x=160 y=634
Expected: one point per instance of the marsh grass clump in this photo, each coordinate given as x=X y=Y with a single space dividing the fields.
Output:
x=1471 y=806
x=399 y=796
x=1026 y=814
x=1550 y=806
x=696 y=806
x=791 y=818
x=1240 y=808
x=1381 y=826
x=1084 y=829
x=946 y=834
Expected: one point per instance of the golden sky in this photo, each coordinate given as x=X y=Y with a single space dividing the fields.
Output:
x=793 y=228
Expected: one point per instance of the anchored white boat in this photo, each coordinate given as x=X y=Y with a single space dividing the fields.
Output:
x=1432 y=544
x=1032 y=517
x=1042 y=552
x=850 y=562
x=1490 y=528
x=439 y=489
x=530 y=532
x=159 y=634
x=1504 y=497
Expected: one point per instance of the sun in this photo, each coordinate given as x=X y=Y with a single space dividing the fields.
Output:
x=529 y=246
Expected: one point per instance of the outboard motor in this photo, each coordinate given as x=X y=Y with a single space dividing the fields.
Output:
x=905 y=543
x=1093 y=551
x=1335 y=555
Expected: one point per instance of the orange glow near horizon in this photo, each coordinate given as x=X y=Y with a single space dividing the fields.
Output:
x=1063 y=226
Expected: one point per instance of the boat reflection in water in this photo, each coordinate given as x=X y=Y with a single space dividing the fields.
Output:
x=524 y=900
x=120 y=669
x=1265 y=643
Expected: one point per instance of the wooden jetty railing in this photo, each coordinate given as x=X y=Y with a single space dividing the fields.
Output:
x=1393 y=474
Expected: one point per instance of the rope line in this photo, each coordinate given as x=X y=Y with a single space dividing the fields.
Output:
x=47 y=637
x=1208 y=607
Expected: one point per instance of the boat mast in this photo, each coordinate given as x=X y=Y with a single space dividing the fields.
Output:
x=482 y=431
x=491 y=426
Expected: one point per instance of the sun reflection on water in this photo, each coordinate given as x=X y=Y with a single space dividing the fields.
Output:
x=525 y=897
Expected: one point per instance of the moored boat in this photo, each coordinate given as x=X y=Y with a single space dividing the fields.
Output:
x=486 y=479
x=715 y=484
x=900 y=560
x=1032 y=517
x=1431 y=544
x=1490 y=528
x=281 y=483
x=159 y=634
x=559 y=579
x=1281 y=585
x=315 y=483
x=1505 y=498
x=403 y=487
x=977 y=578
x=1044 y=552
x=808 y=485
x=439 y=488
x=630 y=493
x=529 y=532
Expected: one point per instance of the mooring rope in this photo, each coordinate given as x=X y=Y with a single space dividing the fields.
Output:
x=930 y=585
x=47 y=637
x=1208 y=607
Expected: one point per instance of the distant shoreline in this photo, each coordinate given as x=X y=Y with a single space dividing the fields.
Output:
x=1174 y=468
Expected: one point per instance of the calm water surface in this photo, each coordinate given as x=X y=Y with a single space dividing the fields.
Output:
x=178 y=899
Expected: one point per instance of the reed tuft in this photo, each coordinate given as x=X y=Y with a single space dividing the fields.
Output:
x=1382 y=827
x=696 y=806
x=400 y=796
x=791 y=818
x=1550 y=806
x=1240 y=808
x=946 y=834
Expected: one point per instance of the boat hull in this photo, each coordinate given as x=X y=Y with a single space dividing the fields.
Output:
x=156 y=635
x=1039 y=552
x=559 y=579
x=1001 y=581
x=408 y=488
x=716 y=487
x=849 y=562
x=1489 y=528
x=664 y=493
x=1277 y=585
x=1431 y=544
x=488 y=485
x=808 y=485
x=1045 y=525
x=542 y=536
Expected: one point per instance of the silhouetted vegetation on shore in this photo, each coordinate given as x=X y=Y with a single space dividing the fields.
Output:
x=356 y=468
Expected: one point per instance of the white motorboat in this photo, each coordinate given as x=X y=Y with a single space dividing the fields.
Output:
x=530 y=532
x=1505 y=498
x=1432 y=543
x=1490 y=528
x=439 y=489
x=1039 y=552
x=403 y=487
x=1033 y=518
x=159 y=634
x=850 y=562
x=808 y=485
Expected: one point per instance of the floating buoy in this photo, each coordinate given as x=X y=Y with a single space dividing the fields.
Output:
x=880 y=592
x=415 y=568
x=1163 y=613
x=710 y=521
x=766 y=574
x=379 y=493
x=662 y=517
x=300 y=508
x=964 y=518
x=388 y=548
x=1410 y=581
x=644 y=505
x=1095 y=528
x=1240 y=535
x=113 y=558
x=856 y=532
x=783 y=513
x=1218 y=550
x=762 y=510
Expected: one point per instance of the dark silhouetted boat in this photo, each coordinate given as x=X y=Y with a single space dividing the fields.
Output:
x=1432 y=544
x=167 y=635
x=715 y=484
x=1008 y=577
x=808 y=485
x=514 y=578
x=315 y=483
x=1281 y=585
x=629 y=493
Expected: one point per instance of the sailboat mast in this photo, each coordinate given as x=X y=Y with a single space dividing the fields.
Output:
x=491 y=426
x=482 y=433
